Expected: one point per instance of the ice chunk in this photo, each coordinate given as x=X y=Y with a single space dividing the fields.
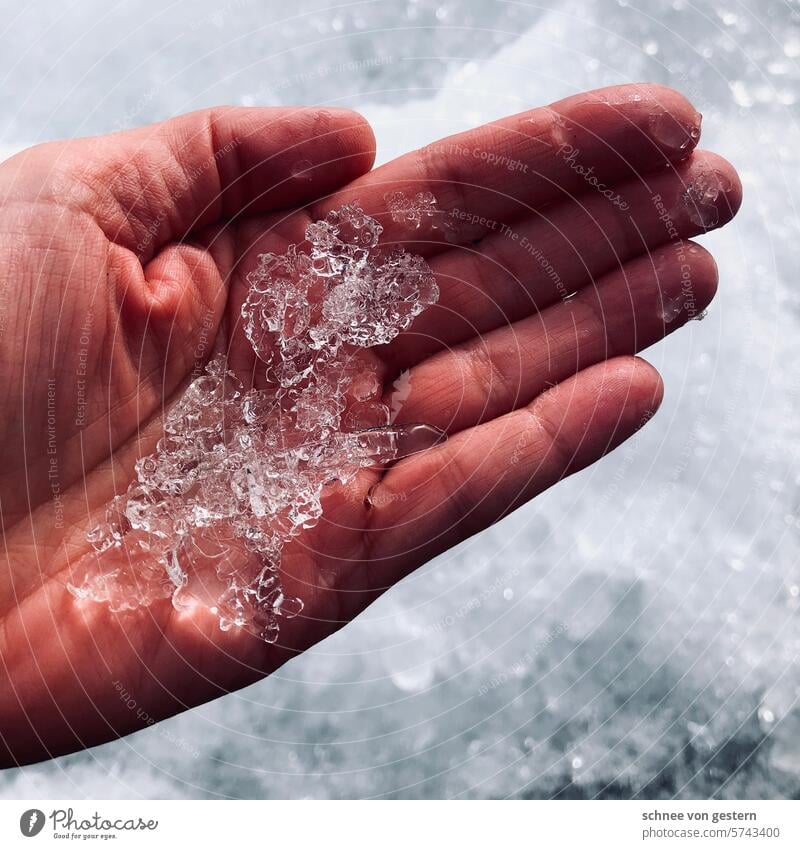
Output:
x=241 y=471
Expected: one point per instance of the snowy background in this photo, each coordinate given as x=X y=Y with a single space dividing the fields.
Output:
x=634 y=631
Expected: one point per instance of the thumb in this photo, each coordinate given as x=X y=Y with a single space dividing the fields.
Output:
x=155 y=184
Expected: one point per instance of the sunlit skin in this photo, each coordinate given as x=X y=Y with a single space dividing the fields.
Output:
x=123 y=270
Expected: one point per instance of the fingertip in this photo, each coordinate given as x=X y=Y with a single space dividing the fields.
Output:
x=351 y=118
x=669 y=99
x=709 y=193
x=702 y=278
x=682 y=273
x=600 y=407
x=663 y=113
x=728 y=182
x=649 y=388
x=633 y=388
x=356 y=139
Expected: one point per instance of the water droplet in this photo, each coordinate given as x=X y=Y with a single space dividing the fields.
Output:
x=302 y=170
x=670 y=308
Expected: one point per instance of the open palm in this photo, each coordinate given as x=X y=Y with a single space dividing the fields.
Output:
x=122 y=271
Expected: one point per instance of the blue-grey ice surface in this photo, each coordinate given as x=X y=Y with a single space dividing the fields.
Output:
x=635 y=630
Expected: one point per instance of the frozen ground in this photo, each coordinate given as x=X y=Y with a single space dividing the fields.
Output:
x=635 y=631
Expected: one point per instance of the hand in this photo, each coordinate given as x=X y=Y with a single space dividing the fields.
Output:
x=122 y=271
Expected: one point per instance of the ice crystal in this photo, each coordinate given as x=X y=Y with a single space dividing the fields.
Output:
x=701 y=199
x=411 y=210
x=414 y=210
x=240 y=470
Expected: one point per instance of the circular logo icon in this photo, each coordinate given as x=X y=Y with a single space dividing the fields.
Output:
x=31 y=822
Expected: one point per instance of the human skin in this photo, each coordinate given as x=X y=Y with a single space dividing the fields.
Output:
x=122 y=269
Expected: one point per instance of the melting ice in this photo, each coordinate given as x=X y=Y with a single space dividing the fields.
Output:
x=240 y=471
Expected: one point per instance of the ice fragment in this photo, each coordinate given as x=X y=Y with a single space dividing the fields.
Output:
x=241 y=470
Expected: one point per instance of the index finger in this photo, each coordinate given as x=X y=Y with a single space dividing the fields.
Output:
x=485 y=177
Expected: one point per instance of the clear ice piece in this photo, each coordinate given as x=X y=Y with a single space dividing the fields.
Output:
x=385 y=444
x=701 y=198
x=240 y=470
x=675 y=135
x=413 y=438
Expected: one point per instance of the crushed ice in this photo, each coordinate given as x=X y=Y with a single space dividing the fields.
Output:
x=241 y=471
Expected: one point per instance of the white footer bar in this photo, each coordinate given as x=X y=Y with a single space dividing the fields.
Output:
x=402 y=824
